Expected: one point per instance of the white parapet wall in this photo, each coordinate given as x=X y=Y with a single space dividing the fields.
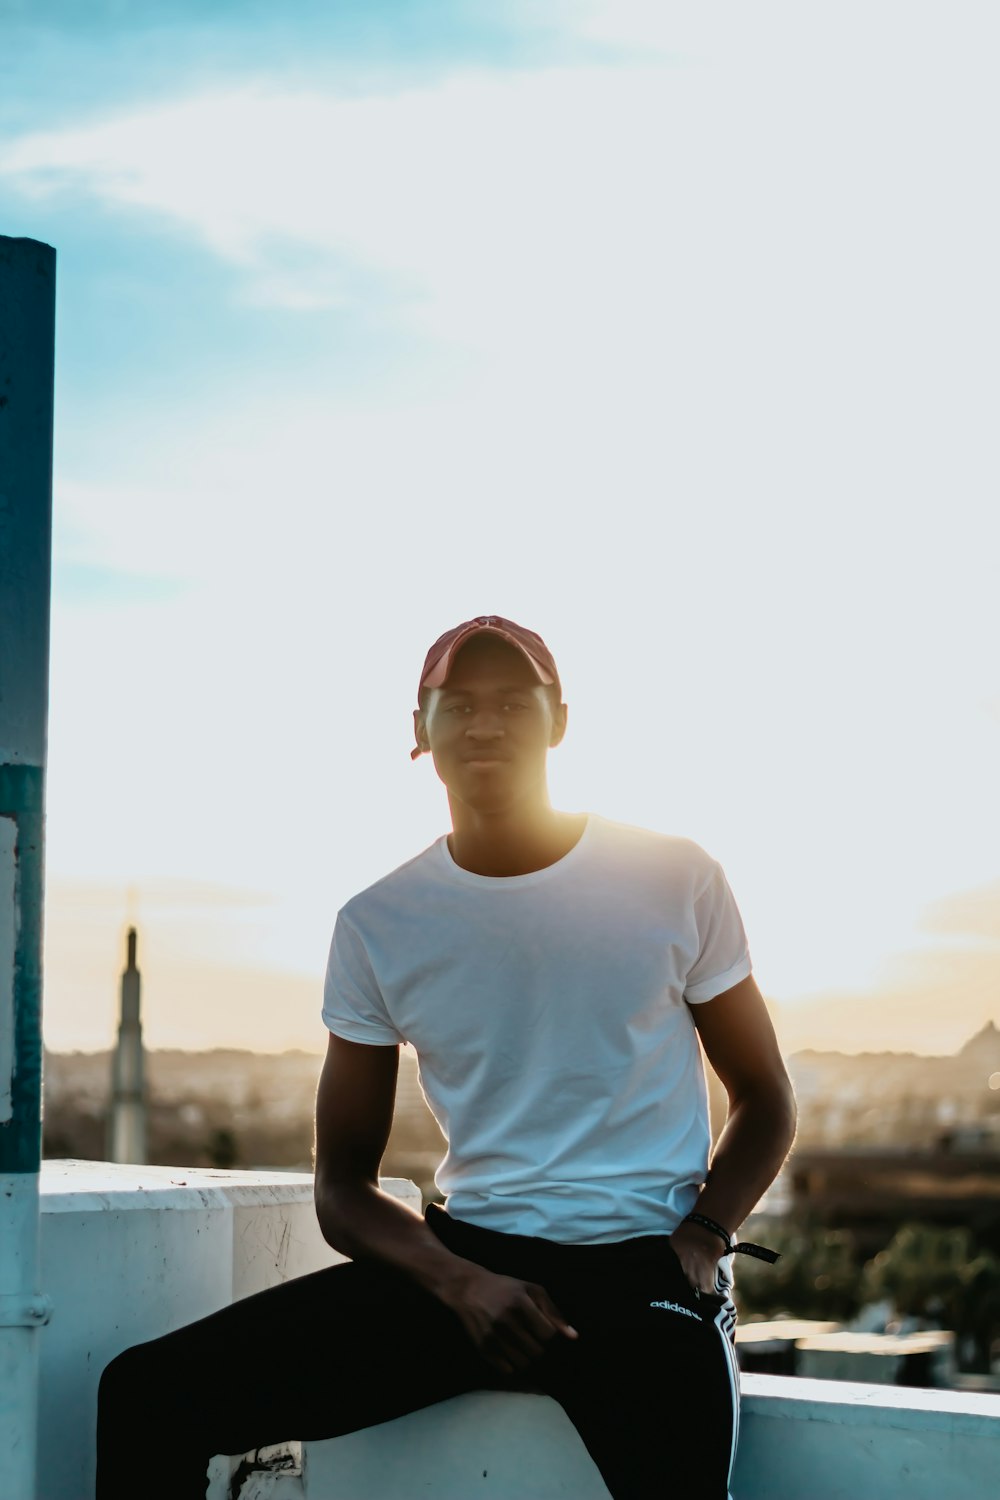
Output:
x=493 y=1444
x=800 y=1440
x=128 y=1253
x=131 y=1252
x=833 y=1440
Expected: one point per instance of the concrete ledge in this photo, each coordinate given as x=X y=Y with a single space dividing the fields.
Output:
x=823 y=1439
x=488 y=1443
x=833 y=1440
x=129 y=1253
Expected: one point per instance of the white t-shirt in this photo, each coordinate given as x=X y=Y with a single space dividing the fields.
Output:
x=548 y=1015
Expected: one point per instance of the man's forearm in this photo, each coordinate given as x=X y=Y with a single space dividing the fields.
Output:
x=510 y=1322
x=755 y=1142
x=364 y=1223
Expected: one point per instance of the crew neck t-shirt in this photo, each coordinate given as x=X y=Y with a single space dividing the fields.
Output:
x=550 y=1017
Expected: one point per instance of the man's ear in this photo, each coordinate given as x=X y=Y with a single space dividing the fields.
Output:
x=423 y=744
x=559 y=718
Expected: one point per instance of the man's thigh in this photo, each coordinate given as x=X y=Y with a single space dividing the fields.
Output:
x=652 y=1385
x=318 y=1356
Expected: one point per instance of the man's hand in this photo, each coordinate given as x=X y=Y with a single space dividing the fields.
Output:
x=699 y=1252
x=510 y=1322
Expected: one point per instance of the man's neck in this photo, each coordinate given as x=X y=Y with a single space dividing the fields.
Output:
x=515 y=842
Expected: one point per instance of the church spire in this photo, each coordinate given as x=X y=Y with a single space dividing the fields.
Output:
x=127 y=1117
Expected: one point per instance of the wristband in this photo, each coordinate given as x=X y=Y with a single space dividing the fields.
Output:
x=744 y=1247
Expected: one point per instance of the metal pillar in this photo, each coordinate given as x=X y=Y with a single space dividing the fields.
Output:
x=27 y=332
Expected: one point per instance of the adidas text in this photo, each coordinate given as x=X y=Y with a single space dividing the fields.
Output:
x=676 y=1307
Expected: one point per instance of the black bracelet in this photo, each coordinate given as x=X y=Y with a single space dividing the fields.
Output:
x=707 y=1223
x=759 y=1252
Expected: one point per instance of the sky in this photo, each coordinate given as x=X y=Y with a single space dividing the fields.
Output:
x=668 y=330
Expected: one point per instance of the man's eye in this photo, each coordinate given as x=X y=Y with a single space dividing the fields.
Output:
x=514 y=707
x=457 y=708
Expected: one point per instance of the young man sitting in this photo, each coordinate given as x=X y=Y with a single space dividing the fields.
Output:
x=554 y=974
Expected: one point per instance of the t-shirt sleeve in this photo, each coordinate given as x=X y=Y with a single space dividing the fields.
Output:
x=724 y=955
x=353 y=1006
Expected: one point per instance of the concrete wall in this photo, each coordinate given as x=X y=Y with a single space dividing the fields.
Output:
x=130 y=1252
x=831 y=1440
x=497 y=1445
x=821 y=1439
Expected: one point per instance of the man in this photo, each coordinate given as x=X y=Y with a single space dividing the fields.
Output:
x=554 y=973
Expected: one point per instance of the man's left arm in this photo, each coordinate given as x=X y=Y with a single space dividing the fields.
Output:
x=740 y=1044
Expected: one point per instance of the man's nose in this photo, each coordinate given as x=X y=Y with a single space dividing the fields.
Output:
x=484 y=726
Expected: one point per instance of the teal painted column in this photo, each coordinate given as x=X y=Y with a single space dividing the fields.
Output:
x=27 y=337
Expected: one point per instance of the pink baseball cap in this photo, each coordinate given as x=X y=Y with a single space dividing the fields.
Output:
x=439 y=658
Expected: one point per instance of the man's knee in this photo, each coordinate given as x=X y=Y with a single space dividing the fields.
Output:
x=129 y=1380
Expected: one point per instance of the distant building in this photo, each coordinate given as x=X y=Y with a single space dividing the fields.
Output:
x=872 y=1191
x=870 y=1099
x=127 y=1115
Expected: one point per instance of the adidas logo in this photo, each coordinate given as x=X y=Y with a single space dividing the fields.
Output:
x=676 y=1307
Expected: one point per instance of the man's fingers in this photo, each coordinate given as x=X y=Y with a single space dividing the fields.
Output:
x=536 y=1324
x=523 y=1334
x=513 y=1329
x=529 y=1329
x=495 y=1356
x=507 y=1351
x=544 y=1303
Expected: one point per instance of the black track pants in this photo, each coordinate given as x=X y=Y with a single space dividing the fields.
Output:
x=651 y=1384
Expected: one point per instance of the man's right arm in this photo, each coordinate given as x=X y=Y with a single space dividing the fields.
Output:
x=510 y=1321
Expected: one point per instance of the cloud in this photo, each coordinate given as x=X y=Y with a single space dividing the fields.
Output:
x=603 y=212
x=119 y=902
x=932 y=1004
x=585 y=206
x=93 y=583
x=930 y=998
x=466 y=200
x=974 y=913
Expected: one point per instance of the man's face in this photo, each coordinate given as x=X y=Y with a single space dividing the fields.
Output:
x=489 y=728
